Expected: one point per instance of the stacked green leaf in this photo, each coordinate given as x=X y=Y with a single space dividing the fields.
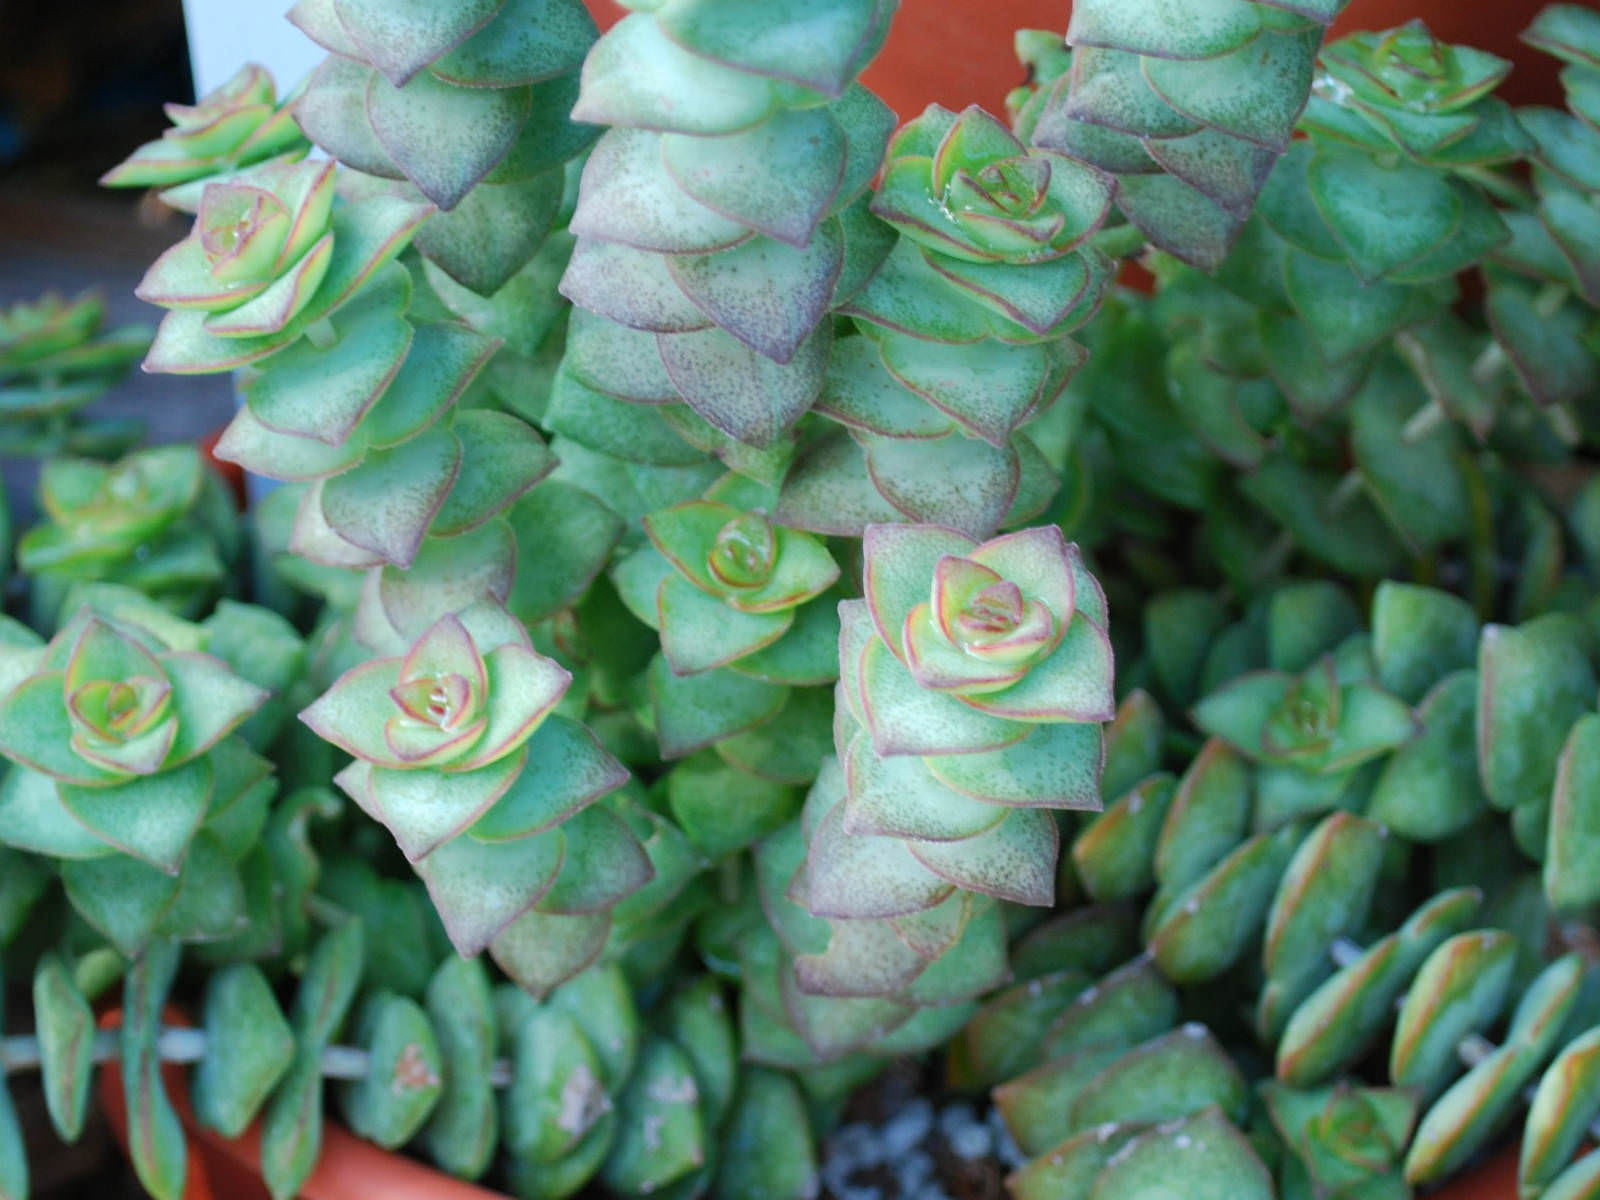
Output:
x=947 y=396
x=157 y=520
x=720 y=219
x=56 y=358
x=460 y=755
x=274 y=250
x=353 y=384
x=1189 y=114
x=1363 y=226
x=237 y=125
x=973 y=679
x=740 y=607
x=469 y=105
x=136 y=773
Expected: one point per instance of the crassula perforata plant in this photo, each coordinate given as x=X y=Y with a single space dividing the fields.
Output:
x=722 y=215
x=242 y=123
x=1330 y=891
x=156 y=520
x=124 y=773
x=962 y=345
x=709 y=500
x=55 y=358
x=457 y=752
x=972 y=678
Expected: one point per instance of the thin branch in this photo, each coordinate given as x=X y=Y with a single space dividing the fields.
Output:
x=182 y=1045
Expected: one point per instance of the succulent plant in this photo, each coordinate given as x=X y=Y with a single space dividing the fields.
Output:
x=1190 y=115
x=738 y=605
x=273 y=251
x=1237 y=857
x=574 y=1088
x=402 y=85
x=128 y=775
x=691 y=495
x=972 y=682
x=454 y=743
x=55 y=358
x=1540 y=303
x=720 y=218
x=156 y=520
x=963 y=346
x=1398 y=112
x=237 y=125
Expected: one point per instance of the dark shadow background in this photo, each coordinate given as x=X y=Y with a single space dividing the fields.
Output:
x=81 y=84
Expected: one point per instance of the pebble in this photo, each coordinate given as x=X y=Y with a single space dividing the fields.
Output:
x=908 y=1128
x=901 y=1144
x=1005 y=1146
x=858 y=1144
x=956 y=1117
x=972 y=1142
x=912 y=1172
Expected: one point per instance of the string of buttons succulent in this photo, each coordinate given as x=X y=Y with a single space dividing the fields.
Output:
x=799 y=646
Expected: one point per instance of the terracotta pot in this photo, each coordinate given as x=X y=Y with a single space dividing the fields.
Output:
x=1495 y=1179
x=352 y=1169
x=223 y=1168
x=231 y=473
x=958 y=52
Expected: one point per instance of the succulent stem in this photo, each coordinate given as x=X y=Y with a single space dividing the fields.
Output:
x=321 y=334
x=1423 y=422
x=175 y=1044
x=1119 y=241
x=1344 y=492
x=1501 y=187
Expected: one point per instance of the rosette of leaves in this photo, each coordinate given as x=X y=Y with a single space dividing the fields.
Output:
x=134 y=774
x=719 y=220
x=235 y=126
x=963 y=335
x=1338 y=267
x=469 y=106
x=738 y=603
x=1321 y=721
x=1345 y=1141
x=973 y=679
x=460 y=755
x=156 y=520
x=274 y=250
x=356 y=393
x=55 y=358
x=1189 y=115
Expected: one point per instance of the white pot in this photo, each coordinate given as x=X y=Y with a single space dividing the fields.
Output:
x=226 y=34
